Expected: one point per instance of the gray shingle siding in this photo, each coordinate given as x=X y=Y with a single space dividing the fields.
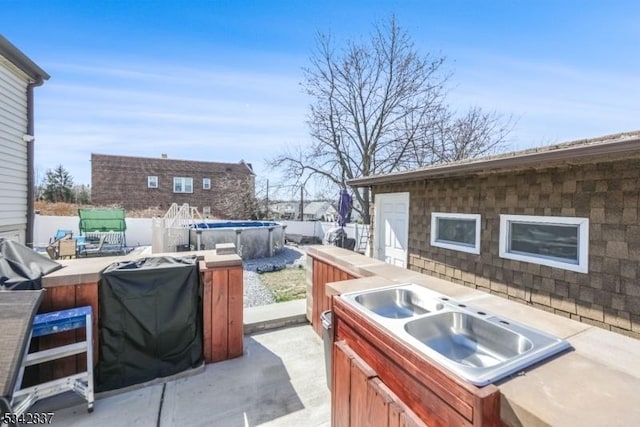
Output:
x=607 y=191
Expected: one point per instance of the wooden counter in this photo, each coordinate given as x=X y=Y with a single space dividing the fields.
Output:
x=87 y=270
x=595 y=384
x=76 y=285
x=439 y=398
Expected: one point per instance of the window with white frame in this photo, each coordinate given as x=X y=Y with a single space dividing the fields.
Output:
x=206 y=183
x=182 y=185
x=456 y=231
x=554 y=241
x=152 y=182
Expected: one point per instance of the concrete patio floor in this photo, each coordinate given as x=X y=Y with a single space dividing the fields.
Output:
x=280 y=381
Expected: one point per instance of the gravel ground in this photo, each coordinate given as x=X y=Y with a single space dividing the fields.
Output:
x=255 y=293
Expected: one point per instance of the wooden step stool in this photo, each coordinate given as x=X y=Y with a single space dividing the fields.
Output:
x=81 y=383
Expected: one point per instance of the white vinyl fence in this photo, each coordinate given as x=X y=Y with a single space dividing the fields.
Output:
x=139 y=230
x=318 y=229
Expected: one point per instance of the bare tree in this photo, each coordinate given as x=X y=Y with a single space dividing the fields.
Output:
x=264 y=195
x=378 y=107
x=240 y=201
x=39 y=184
x=82 y=194
x=453 y=138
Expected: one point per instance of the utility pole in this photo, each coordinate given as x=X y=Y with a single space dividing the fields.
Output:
x=301 y=203
x=267 y=201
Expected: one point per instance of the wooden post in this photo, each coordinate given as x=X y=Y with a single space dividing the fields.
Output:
x=235 y=294
x=222 y=311
x=219 y=314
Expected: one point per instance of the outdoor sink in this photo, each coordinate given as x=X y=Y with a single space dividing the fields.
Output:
x=396 y=303
x=469 y=340
x=478 y=346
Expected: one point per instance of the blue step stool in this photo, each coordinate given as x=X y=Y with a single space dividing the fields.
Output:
x=81 y=383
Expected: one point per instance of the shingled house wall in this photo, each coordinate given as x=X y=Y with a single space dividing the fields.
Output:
x=607 y=193
x=122 y=181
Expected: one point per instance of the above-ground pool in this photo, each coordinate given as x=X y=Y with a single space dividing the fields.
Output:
x=253 y=239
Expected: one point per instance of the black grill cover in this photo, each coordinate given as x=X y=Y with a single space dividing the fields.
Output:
x=150 y=322
x=21 y=268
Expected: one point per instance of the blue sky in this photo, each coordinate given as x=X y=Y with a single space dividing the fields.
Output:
x=220 y=80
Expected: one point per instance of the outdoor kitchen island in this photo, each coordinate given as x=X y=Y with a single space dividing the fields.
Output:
x=77 y=284
x=594 y=384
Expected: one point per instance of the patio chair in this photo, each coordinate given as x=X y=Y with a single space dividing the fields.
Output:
x=61 y=234
x=63 y=238
x=93 y=250
x=66 y=248
x=81 y=241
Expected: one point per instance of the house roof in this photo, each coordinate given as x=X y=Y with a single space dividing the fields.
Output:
x=597 y=149
x=177 y=164
x=284 y=204
x=20 y=60
x=314 y=207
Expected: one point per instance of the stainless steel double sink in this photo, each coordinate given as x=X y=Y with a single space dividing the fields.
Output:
x=474 y=344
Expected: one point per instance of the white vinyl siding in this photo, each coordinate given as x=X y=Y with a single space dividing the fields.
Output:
x=13 y=151
x=16 y=235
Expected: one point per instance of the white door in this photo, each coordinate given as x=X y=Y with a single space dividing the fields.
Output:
x=392 y=228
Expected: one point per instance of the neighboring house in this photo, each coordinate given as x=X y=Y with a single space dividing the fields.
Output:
x=556 y=227
x=313 y=211
x=18 y=76
x=319 y=211
x=284 y=210
x=355 y=215
x=142 y=183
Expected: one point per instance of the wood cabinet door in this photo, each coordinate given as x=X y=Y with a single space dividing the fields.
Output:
x=360 y=399
x=341 y=384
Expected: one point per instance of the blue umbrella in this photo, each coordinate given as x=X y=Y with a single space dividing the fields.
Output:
x=345 y=204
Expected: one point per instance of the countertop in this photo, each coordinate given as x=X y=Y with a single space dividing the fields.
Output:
x=87 y=270
x=17 y=309
x=595 y=384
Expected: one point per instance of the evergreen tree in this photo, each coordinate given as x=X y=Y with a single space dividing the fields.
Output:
x=58 y=185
